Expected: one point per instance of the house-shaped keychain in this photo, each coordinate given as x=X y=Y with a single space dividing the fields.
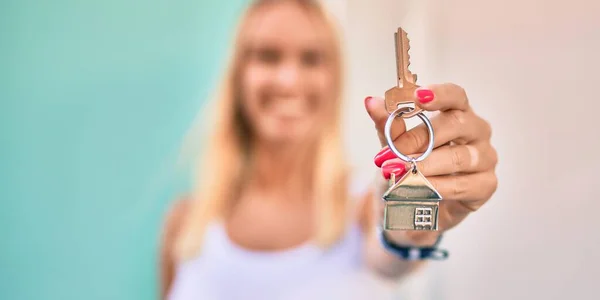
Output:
x=411 y=203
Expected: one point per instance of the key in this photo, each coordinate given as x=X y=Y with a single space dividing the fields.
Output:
x=403 y=93
x=411 y=202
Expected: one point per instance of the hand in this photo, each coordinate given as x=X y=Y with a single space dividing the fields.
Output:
x=461 y=166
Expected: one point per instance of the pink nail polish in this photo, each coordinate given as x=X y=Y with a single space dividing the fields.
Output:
x=397 y=168
x=367 y=100
x=425 y=95
x=383 y=155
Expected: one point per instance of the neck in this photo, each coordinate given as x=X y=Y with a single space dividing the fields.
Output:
x=285 y=169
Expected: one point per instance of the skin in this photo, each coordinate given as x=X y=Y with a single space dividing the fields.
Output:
x=462 y=164
x=285 y=82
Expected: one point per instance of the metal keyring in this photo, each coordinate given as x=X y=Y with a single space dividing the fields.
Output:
x=388 y=134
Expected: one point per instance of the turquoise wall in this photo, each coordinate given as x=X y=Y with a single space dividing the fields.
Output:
x=95 y=99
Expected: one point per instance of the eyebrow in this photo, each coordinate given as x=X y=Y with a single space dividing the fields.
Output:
x=317 y=48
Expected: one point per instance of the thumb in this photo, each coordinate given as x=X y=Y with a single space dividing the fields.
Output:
x=375 y=107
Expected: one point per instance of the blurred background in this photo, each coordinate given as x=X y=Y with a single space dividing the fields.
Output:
x=96 y=97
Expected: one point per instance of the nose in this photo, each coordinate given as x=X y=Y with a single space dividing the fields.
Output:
x=288 y=77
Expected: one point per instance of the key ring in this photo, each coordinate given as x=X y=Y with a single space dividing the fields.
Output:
x=413 y=111
x=388 y=134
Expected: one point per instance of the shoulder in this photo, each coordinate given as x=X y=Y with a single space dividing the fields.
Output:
x=173 y=220
x=175 y=215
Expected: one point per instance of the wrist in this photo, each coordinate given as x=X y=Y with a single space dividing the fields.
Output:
x=413 y=238
x=413 y=251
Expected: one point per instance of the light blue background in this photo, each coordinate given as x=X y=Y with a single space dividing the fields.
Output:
x=96 y=97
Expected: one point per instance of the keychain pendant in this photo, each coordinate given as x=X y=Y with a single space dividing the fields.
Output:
x=411 y=203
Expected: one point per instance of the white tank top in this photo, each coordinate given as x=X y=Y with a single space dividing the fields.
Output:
x=227 y=271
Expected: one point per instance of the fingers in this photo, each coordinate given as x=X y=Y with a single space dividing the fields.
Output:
x=471 y=189
x=394 y=166
x=442 y=97
x=447 y=97
x=376 y=108
x=452 y=159
x=454 y=125
x=447 y=160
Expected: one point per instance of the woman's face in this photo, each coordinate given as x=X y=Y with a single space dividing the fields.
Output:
x=287 y=74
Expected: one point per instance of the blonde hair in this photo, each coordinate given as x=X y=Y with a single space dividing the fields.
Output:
x=221 y=178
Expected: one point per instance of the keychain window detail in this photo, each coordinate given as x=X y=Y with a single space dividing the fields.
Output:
x=423 y=218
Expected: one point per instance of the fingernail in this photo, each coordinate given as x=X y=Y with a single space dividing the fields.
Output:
x=397 y=168
x=367 y=100
x=383 y=155
x=424 y=95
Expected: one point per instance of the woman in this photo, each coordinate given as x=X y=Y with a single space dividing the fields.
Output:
x=275 y=208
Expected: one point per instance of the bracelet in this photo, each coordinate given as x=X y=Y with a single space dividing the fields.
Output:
x=411 y=252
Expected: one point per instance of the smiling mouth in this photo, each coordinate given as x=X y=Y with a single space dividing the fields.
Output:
x=286 y=108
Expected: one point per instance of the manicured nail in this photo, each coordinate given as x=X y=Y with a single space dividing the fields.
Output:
x=367 y=100
x=383 y=155
x=424 y=95
x=397 y=168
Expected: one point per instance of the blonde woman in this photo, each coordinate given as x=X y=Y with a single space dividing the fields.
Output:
x=274 y=208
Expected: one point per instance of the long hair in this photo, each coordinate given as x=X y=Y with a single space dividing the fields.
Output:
x=220 y=179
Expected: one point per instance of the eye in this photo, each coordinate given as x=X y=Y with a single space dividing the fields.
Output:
x=268 y=55
x=311 y=58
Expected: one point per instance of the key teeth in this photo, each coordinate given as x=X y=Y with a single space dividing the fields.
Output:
x=405 y=36
x=405 y=42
